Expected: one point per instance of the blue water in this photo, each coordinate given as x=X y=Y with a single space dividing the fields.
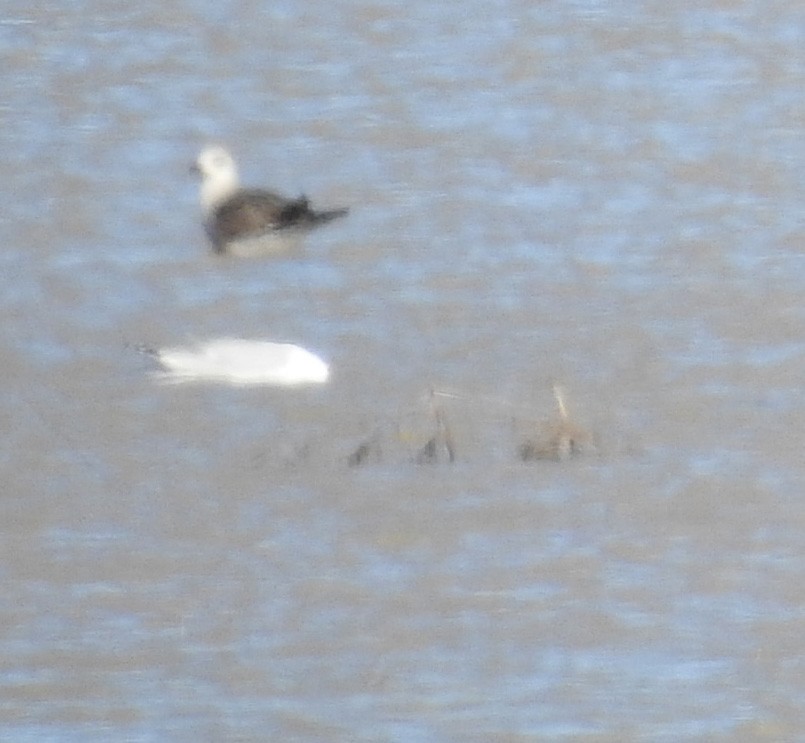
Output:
x=599 y=194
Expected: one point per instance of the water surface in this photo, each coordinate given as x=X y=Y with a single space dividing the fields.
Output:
x=588 y=193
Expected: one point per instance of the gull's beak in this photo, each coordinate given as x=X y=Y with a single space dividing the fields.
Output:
x=194 y=169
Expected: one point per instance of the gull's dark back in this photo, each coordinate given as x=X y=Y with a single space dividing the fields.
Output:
x=252 y=212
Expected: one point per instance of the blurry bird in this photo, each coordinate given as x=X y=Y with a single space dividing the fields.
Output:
x=240 y=362
x=248 y=221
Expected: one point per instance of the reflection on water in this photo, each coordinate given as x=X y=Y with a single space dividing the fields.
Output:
x=435 y=544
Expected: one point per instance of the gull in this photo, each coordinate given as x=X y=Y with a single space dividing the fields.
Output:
x=239 y=362
x=249 y=221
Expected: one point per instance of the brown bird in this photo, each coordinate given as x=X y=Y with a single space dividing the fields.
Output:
x=247 y=221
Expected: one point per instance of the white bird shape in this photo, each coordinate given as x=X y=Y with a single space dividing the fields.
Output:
x=240 y=362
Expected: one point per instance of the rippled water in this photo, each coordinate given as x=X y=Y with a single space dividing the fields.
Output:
x=599 y=195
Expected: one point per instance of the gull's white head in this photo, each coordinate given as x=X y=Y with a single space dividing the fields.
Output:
x=219 y=176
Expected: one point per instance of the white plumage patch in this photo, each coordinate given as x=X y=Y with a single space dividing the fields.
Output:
x=241 y=362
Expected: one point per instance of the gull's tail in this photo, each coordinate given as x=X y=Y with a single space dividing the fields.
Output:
x=297 y=213
x=326 y=216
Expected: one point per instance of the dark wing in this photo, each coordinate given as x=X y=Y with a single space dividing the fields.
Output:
x=253 y=212
x=249 y=212
x=297 y=213
x=294 y=213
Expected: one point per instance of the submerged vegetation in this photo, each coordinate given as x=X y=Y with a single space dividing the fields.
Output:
x=440 y=445
x=425 y=435
x=558 y=438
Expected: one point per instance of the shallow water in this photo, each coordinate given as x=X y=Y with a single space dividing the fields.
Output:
x=571 y=192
